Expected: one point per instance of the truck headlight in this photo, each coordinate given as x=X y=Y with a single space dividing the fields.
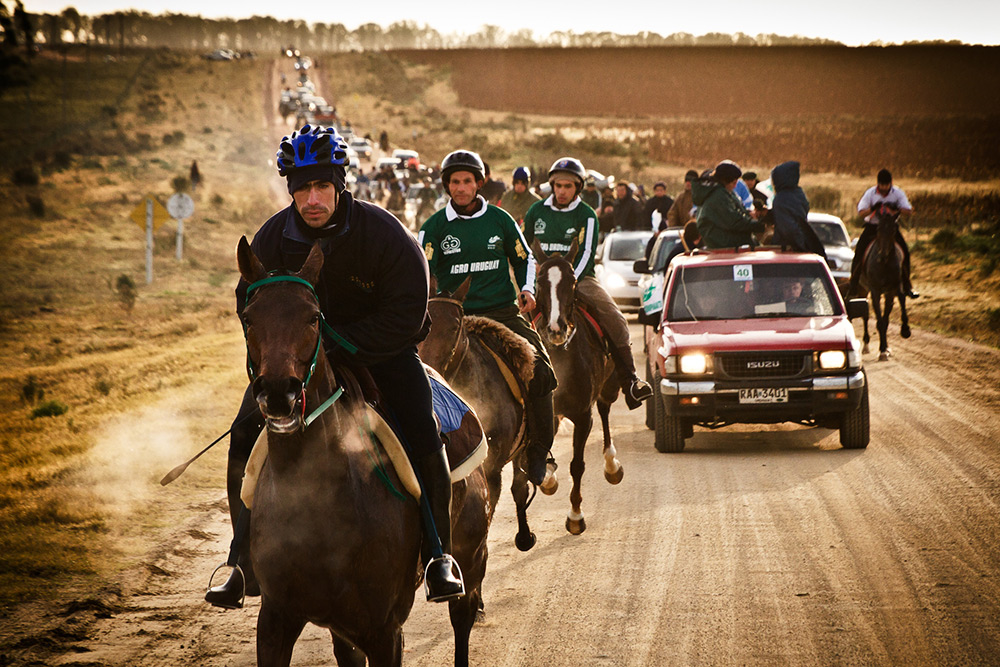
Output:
x=695 y=363
x=832 y=360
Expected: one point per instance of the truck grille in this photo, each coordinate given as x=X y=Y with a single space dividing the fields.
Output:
x=743 y=365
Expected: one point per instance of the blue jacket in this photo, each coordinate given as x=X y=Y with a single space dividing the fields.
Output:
x=374 y=283
x=791 y=210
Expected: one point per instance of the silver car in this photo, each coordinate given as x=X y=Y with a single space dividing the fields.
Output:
x=614 y=266
x=833 y=233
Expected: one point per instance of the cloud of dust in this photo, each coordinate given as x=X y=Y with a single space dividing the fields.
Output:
x=132 y=453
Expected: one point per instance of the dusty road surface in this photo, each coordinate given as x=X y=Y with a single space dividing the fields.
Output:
x=756 y=546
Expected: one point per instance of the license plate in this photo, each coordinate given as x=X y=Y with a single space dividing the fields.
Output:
x=764 y=395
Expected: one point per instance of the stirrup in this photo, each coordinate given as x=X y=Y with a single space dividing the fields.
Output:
x=453 y=567
x=243 y=595
x=637 y=392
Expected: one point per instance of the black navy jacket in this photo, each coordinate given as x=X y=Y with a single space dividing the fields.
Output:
x=374 y=282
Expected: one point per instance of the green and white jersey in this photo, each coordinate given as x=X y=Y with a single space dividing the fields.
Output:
x=555 y=229
x=485 y=245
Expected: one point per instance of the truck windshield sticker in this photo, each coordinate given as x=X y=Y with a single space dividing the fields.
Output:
x=743 y=272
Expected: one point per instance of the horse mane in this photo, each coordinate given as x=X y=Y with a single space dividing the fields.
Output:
x=511 y=346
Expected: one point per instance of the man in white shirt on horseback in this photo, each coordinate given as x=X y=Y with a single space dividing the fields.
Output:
x=883 y=193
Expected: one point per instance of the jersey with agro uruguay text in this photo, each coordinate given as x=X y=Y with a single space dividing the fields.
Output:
x=484 y=245
x=555 y=229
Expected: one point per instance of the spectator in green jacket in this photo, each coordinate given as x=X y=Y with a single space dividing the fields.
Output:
x=722 y=220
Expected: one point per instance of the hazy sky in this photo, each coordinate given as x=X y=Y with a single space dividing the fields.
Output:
x=850 y=21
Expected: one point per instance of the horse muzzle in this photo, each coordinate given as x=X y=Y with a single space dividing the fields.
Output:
x=561 y=336
x=280 y=403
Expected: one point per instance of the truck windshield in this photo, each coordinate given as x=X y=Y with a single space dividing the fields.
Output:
x=746 y=291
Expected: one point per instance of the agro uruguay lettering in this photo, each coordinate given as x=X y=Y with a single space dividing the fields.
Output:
x=476 y=267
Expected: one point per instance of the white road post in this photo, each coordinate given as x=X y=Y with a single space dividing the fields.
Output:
x=149 y=241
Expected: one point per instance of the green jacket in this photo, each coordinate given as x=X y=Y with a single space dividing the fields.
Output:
x=556 y=228
x=722 y=220
x=485 y=245
x=517 y=204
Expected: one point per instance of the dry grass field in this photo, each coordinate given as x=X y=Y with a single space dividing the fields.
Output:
x=138 y=368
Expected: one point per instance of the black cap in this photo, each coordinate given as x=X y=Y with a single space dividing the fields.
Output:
x=691 y=175
x=750 y=176
x=727 y=171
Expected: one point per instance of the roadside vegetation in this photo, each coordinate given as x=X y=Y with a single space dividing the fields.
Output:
x=94 y=358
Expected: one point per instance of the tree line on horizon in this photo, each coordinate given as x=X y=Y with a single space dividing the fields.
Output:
x=131 y=29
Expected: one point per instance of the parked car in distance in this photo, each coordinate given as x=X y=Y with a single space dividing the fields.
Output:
x=756 y=337
x=406 y=158
x=837 y=242
x=362 y=147
x=614 y=266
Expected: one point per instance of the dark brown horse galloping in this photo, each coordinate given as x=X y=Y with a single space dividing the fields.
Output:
x=582 y=365
x=457 y=348
x=882 y=276
x=332 y=543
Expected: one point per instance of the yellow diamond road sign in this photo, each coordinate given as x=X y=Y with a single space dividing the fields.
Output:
x=160 y=214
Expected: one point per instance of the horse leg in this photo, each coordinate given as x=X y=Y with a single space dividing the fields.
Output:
x=525 y=539
x=904 y=329
x=575 y=521
x=346 y=653
x=882 y=324
x=385 y=648
x=463 y=612
x=613 y=470
x=866 y=338
x=276 y=635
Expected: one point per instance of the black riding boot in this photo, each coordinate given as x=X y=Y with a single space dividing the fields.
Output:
x=636 y=391
x=442 y=578
x=907 y=285
x=230 y=594
x=541 y=431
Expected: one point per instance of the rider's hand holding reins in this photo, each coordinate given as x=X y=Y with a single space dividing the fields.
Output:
x=526 y=302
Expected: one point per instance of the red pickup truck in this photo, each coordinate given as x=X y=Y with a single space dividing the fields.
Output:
x=756 y=336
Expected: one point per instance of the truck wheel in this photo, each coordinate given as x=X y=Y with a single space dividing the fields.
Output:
x=855 y=424
x=669 y=430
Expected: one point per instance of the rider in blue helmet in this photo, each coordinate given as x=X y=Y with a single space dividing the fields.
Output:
x=373 y=291
x=519 y=198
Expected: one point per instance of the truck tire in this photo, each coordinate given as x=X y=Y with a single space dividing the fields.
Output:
x=668 y=434
x=855 y=427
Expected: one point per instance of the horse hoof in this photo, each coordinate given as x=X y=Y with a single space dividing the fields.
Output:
x=524 y=541
x=615 y=477
x=550 y=485
x=864 y=350
x=884 y=356
x=904 y=331
x=480 y=616
x=576 y=526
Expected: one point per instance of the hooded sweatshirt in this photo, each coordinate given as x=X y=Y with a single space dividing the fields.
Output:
x=791 y=209
x=722 y=220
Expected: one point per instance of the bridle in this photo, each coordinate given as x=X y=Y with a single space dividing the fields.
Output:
x=570 y=324
x=457 y=356
x=304 y=420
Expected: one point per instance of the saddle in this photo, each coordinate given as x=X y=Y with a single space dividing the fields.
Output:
x=460 y=429
x=512 y=354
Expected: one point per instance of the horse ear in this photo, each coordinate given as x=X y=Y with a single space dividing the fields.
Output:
x=571 y=253
x=463 y=290
x=312 y=265
x=536 y=250
x=250 y=267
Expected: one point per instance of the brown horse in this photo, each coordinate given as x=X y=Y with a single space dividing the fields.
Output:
x=458 y=346
x=331 y=542
x=882 y=278
x=582 y=365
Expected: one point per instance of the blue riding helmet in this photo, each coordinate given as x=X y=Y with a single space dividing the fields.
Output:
x=311 y=146
x=521 y=174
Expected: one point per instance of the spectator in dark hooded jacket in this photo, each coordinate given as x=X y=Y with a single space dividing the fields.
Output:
x=790 y=209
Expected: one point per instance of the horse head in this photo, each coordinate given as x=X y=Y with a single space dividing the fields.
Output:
x=555 y=293
x=281 y=322
x=888 y=225
x=444 y=346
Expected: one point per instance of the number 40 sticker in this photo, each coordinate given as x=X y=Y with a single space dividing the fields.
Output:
x=743 y=272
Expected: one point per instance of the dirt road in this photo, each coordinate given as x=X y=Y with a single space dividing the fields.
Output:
x=757 y=545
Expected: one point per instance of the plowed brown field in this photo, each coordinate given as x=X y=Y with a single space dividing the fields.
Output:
x=927 y=110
